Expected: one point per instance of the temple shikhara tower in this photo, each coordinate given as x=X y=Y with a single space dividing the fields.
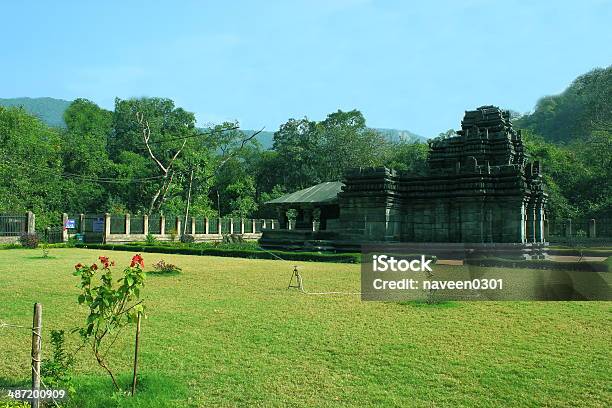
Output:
x=479 y=188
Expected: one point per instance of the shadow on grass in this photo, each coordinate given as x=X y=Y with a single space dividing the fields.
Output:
x=441 y=304
x=41 y=257
x=6 y=383
x=153 y=390
x=160 y=273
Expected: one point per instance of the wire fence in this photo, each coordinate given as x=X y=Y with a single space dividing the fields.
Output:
x=137 y=224
x=155 y=224
x=36 y=332
x=117 y=224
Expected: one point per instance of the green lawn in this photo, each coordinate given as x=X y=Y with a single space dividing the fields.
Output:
x=226 y=332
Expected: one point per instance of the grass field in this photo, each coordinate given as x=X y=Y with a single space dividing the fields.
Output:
x=226 y=332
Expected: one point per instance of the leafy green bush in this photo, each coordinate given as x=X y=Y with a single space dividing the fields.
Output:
x=172 y=234
x=72 y=241
x=150 y=239
x=56 y=371
x=29 y=240
x=10 y=246
x=187 y=239
x=232 y=239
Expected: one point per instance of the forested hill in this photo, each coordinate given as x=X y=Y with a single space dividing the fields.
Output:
x=584 y=107
x=49 y=110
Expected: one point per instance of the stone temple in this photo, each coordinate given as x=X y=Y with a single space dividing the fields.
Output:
x=479 y=189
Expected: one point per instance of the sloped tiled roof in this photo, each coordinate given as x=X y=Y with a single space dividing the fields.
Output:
x=326 y=192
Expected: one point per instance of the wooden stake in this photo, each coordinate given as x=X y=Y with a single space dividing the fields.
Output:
x=36 y=353
x=136 y=354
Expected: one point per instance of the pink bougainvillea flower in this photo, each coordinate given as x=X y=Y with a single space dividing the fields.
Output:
x=78 y=266
x=94 y=267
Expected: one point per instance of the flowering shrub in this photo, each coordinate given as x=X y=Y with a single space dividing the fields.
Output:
x=162 y=267
x=112 y=304
x=29 y=240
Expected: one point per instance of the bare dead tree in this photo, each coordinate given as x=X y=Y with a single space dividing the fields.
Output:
x=188 y=202
x=166 y=169
x=225 y=158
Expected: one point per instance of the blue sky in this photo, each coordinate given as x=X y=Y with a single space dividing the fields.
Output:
x=405 y=65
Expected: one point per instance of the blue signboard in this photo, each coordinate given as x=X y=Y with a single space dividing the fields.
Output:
x=98 y=225
x=70 y=224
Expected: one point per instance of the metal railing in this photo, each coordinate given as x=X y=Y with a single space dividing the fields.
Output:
x=12 y=225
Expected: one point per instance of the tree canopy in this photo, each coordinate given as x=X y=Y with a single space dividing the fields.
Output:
x=583 y=108
x=148 y=156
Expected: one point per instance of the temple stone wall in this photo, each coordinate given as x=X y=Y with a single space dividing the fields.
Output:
x=479 y=188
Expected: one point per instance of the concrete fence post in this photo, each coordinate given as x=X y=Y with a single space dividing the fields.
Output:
x=162 y=225
x=81 y=223
x=206 y=226
x=219 y=226
x=242 y=226
x=592 y=229
x=263 y=223
x=145 y=224
x=177 y=225
x=253 y=225
x=30 y=222
x=231 y=221
x=107 y=227
x=64 y=229
x=127 y=227
x=193 y=225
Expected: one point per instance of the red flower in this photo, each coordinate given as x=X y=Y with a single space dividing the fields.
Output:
x=94 y=267
x=78 y=266
x=105 y=261
x=137 y=260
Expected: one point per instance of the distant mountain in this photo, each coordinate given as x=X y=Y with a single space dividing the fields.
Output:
x=49 y=110
x=401 y=135
x=266 y=138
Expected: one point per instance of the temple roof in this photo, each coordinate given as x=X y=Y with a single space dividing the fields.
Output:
x=326 y=192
